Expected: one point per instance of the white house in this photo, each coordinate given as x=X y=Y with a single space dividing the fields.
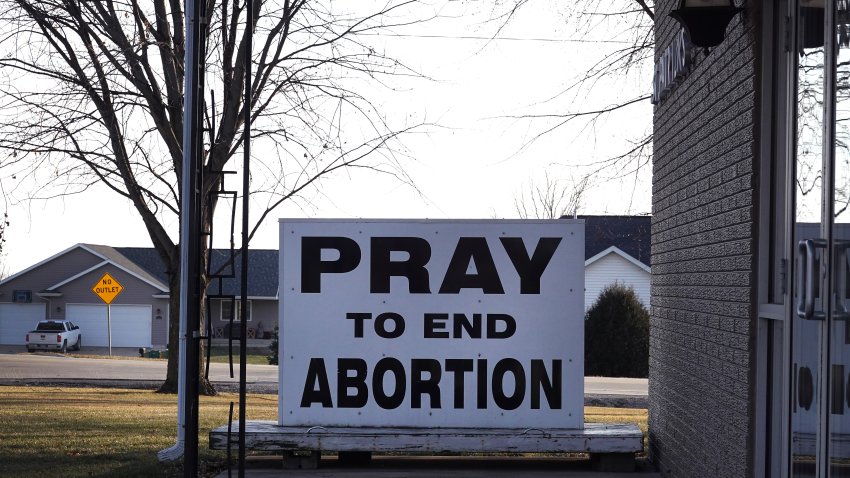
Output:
x=616 y=250
x=614 y=265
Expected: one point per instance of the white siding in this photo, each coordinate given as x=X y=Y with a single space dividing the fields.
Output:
x=614 y=268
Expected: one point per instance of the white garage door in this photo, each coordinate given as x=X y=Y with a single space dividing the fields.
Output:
x=131 y=324
x=18 y=319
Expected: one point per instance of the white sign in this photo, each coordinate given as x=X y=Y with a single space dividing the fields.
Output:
x=432 y=323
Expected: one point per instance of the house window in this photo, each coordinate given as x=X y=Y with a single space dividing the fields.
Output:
x=22 y=296
x=225 y=310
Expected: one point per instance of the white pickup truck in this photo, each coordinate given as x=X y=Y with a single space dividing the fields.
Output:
x=54 y=334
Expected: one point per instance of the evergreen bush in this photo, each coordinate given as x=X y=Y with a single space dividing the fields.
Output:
x=616 y=335
x=272 y=356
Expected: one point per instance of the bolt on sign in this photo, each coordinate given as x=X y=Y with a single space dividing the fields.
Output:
x=107 y=288
x=432 y=323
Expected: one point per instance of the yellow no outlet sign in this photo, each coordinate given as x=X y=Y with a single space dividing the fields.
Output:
x=107 y=288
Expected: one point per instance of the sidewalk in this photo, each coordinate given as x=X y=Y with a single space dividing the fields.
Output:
x=441 y=467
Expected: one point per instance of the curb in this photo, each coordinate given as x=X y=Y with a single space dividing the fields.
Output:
x=597 y=400
x=616 y=401
x=256 y=387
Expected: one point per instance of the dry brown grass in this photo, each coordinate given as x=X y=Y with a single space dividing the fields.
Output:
x=58 y=431
x=70 y=432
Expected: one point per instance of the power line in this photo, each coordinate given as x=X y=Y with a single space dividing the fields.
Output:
x=480 y=38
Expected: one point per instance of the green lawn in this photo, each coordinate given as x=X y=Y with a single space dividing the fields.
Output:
x=84 y=432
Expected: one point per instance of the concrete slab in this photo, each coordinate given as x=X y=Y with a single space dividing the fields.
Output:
x=442 y=467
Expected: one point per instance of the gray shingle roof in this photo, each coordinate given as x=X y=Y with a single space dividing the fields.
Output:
x=262 y=269
x=146 y=258
x=630 y=234
x=127 y=263
x=262 y=273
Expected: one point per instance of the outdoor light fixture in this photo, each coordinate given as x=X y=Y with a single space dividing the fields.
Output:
x=705 y=21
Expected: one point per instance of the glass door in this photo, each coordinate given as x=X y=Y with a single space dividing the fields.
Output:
x=809 y=238
x=819 y=401
x=839 y=333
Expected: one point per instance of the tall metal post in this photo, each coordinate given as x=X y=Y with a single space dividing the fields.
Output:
x=190 y=228
x=246 y=169
x=109 y=326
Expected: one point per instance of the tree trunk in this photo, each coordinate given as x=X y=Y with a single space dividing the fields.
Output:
x=205 y=387
x=171 y=375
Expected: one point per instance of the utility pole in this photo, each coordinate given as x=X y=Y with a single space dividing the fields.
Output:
x=190 y=228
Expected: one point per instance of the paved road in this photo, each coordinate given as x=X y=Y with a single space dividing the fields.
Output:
x=17 y=365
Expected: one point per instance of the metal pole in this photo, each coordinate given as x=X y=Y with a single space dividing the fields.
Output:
x=246 y=168
x=189 y=309
x=190 y=229
x=109 y=326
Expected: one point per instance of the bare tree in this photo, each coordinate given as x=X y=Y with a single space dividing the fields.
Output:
x=550 y=200
x=627 y=24
x=4 y=266
x=92 y=93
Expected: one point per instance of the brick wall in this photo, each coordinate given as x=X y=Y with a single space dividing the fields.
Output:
x=703 y=260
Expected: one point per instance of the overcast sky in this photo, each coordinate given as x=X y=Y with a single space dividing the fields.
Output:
x=472 y=163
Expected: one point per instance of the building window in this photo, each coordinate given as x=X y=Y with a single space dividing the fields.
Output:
x=225 y=310
x=22 y=296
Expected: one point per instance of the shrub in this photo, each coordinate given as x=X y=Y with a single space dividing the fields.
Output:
x=272 y=356
x=616 y=335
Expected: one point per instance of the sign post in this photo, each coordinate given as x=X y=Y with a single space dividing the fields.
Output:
x=108 y=289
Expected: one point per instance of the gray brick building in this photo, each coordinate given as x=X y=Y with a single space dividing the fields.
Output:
x=749 y=354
